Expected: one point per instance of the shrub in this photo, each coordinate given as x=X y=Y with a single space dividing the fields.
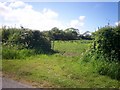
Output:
x=25 y=39
x=9 y=53
x=102 y=66
x=105 y=52
x=107 y=42
x=15 y=53
x=109 y=69
x=19 y=43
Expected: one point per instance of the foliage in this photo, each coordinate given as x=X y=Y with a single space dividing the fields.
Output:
x=59 y=71
x=111 y=69
x=104 y=54
x=107 y=42
x=102 y=66
x=27 y=38
x=86 y=35
x=14 y=53
x=56 y=34
x=17 y=40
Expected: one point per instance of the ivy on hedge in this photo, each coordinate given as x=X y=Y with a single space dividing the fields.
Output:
x=107 y=42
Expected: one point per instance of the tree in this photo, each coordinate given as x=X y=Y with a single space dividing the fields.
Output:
x=86 y=35
x=71 y=34
x=56 y=34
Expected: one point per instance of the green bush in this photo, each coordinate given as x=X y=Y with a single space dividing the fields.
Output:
x=8 y=53
x=18 y=43
x=105 y=52
x=102 y=66
x=107 y=42
x=110 y=69
x=15 y=53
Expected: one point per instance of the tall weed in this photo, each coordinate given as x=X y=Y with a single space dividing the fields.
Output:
x=15 y=53
x=103 y=66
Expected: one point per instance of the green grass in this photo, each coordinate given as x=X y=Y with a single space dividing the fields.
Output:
x=64 y=69
x=72 y=46
x=13 y=53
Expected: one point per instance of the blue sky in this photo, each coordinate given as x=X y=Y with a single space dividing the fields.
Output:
x=96 y=13
x=85 y=16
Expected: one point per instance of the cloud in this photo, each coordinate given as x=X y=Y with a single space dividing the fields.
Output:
x=17 y=4
x=117 y=23
x=81 y=18
x=78 y=23
x=49 y=13
x=18 y=13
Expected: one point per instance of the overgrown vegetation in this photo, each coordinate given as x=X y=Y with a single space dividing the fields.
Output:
x=107 y=43
x=60 y=70
x=78 y=63
x=105 y=52
x=21 y=42
x=18 y=43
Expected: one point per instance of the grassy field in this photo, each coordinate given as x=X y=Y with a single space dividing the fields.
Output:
x=63 y=69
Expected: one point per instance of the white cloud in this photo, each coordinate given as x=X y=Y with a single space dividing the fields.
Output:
x=49 y=13
x=74 y=23
x=82 y=18
x=17 y=4
x=3 y=9
x=20 y=13
x=78 y=23
x=117 y=23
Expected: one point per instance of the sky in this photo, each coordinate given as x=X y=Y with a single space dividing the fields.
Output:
x=85 y=16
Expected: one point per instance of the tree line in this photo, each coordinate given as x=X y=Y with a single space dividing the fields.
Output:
x=34 y=39
x=67 y=34
x=106 y=39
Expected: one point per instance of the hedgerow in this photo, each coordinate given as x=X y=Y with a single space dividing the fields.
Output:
x=14 y=40
x=104 y=54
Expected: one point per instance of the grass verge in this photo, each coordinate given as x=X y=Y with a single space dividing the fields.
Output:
x=59 y=70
